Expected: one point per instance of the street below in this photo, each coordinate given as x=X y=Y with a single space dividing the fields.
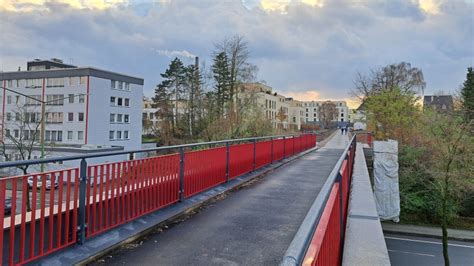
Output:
x=411 y=250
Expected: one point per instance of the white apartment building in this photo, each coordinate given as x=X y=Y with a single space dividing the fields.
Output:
x=311 y=111
x=84 y=105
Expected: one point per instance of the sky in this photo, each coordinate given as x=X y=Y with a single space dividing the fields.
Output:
x=307 y=49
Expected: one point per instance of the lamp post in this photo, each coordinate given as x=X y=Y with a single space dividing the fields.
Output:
x=43 y=118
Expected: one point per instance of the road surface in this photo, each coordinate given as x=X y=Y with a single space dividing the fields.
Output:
x=409 y=250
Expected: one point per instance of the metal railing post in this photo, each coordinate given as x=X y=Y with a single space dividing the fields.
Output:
x=227 y=161
x=284 y=147
x=181 y=174
x=341 y=211
x=81 y=215
x=254 y=154
x=271 y=140
x=294 y=145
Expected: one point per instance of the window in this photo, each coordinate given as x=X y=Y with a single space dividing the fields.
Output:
x=314 y=120
x=126 y=119
x=80 y=135
x=53 y=82
x=70 y=117
x=7 y=132
x=119 y=118
x=17 y=99
x=112 y=118
x=144 y=116
x=111 y=135
x=119 y=101
x=119 y=134
x=81 y=117
x=127 y=86
x=55 y=99
x=34 y=83
x=120 y=85
x=71 y=98
x=9 y=83
x=112 y=84
x=9 y=116
x=125 y=134
x=16 y=133
x=73 y=81
x=112 y=101
x=54 y=135
x=127 y=102
x=151 y=116
x=54 y=117
x=33 y=100
x=69 y=135
x=9 y=99
x=81 y=98
x=83 y=80
x=17 y=117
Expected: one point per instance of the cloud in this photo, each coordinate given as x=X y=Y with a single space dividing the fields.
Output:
x=171 y=54
x=311 y=95
x=305 y=45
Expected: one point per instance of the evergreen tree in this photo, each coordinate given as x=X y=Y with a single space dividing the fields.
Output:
x=221 y=74
x=467 y=94
x=170 y=89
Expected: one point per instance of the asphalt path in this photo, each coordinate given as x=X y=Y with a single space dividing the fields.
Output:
x=410 y=250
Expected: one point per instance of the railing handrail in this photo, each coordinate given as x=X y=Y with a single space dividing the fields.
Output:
x=103 y=154
x=298 y=246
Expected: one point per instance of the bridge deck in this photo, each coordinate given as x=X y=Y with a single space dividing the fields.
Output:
x=253 y=226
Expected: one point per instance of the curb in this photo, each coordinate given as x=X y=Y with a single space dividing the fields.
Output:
x=98 y=247
x=401 y=231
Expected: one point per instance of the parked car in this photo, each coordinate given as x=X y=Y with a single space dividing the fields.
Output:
x=8 y=206
x=39 y=182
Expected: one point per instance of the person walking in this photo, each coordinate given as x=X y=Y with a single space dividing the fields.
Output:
x=342 y=130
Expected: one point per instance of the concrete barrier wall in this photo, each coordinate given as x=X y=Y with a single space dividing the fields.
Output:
x=364 y=240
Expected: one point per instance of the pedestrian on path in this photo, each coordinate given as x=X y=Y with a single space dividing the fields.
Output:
x=342 y=130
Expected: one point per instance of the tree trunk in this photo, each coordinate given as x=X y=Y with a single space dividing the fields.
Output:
x=444 y=227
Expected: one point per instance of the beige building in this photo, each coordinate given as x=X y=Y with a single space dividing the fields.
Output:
x=281 y=111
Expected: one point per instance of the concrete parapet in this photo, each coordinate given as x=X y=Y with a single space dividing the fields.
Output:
x=364 y=240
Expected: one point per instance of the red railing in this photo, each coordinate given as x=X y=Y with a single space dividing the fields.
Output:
x=204 y=169
x=118 y=192
x=42 y=217
x=325 y=247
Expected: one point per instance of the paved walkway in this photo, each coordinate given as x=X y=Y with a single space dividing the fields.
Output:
x=253 y=226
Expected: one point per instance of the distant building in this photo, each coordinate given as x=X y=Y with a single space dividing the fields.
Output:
x=274 y=105
x=150 y=119
x=87 y=108
x=311 y=112
x=441 y=103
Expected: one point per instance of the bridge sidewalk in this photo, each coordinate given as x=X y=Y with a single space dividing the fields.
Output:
x=252 y=226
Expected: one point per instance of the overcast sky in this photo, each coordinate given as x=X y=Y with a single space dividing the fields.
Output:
x=310 y=49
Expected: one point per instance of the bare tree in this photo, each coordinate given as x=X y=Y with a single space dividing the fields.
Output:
x=402 y=76
x=21 y=136
x=327 y=112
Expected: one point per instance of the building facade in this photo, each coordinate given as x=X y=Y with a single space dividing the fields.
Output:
x=440 y=103
x=311 y=112
x=84 y=106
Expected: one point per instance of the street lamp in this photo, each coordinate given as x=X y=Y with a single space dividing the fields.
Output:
x=43 y=113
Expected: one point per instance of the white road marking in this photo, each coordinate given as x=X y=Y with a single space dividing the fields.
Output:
x=428 y=242
x=414 y=253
